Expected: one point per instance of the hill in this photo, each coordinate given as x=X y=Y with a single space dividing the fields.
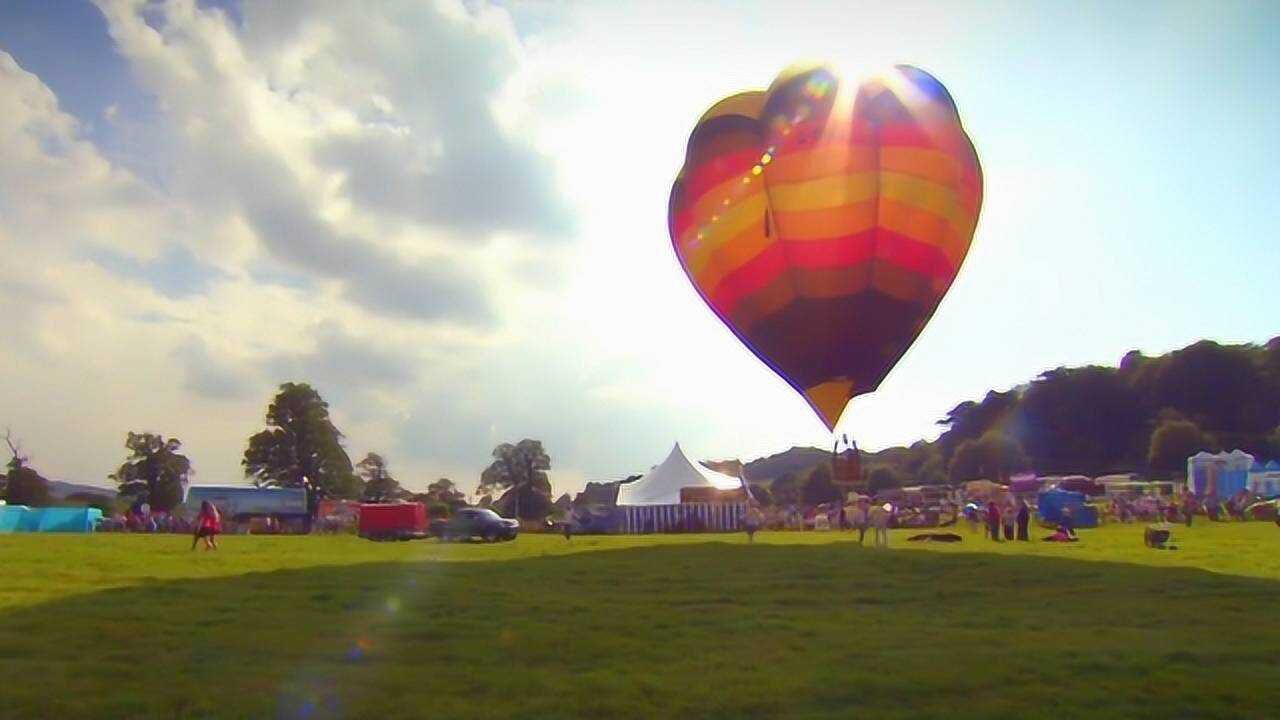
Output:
x=1146 y=416
x=796 y=461
x=61 y=490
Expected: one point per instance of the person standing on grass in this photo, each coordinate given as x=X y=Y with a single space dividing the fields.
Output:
x=859 y=517
x=567 y=522
x=1189 y=507
x=208 y=525
x=753 y=520
x=879 y=517
x=1024 y=520
x=993 y=520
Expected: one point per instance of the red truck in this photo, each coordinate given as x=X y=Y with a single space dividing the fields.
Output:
x=393 y=521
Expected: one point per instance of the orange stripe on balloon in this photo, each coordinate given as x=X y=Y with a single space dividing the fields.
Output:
x=820 y=161
x=827 y=222
x=703 y=177
x=908 y=265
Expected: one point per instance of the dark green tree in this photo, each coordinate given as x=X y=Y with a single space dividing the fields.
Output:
x=966 y=462
x=155 y=471
x=25 y=486
x=22 y=484
x=820 y=487
x=1080 y=420
x=1222 y=388
x=1002 y=456
x=994 y=456
x=970 y=420
x=379 y=486
x=1273 y=444
x=881 y=478
x=1174 y=441
x=444 y=491
x=924 y=465
x=301 y=442
x=786 y=489
x=521 y=467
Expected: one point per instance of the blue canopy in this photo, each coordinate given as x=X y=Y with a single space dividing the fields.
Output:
x=1050 y=505
x=13 y=517
x=20 y=518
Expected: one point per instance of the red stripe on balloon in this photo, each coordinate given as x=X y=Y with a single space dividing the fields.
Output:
x=704 y=177
x=849 y=251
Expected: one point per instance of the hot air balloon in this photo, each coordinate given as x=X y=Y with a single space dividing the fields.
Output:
x=823 y=222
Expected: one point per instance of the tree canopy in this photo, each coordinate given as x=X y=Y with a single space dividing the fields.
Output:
x=820 y=487
x=1096 y=420
x=20 y=484
x=155 y=471
x=521 y=467
x=1173 y=442
x=379 y=486
x=301 y=442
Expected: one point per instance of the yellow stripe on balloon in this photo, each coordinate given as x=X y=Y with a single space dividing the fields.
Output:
x=924 y=227
x=933 y=165
x=822 y=160
x=822 y=193
x=721 y=228
x=924 y=195
x=732 y=256
x=828 y=222
x=712 y=202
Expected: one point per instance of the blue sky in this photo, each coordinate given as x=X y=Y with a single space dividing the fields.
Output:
x=451 y=217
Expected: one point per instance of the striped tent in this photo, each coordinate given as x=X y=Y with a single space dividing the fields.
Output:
x=687 y=517
x=652 y=503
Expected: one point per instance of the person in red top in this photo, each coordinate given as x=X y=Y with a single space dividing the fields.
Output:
x=208 y=525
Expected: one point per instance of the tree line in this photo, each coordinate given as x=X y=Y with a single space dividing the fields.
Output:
x=300 y=447
x=1146 y=416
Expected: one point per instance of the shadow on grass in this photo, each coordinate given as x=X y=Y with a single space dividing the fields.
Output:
x=709 y=630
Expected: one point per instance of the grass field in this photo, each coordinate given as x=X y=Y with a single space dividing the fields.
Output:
x=797 y=625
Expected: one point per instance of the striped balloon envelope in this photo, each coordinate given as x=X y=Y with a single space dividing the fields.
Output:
x=823 y=221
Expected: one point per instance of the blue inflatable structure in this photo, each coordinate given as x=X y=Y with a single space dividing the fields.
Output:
x=20 y=518
x=1050 y=505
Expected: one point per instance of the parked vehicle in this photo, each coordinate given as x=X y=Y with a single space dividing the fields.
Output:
x=483 y=523
x=393 y=521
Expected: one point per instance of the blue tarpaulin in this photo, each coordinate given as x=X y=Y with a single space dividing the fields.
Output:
x=12 y=517
x=1051 y=503
x=20 y=518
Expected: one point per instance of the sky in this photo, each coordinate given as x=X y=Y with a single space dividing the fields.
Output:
x=450 y=217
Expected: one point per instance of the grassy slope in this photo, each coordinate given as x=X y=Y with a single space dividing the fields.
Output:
x=799 y=625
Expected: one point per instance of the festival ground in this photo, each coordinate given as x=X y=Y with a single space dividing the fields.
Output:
x=805 y=625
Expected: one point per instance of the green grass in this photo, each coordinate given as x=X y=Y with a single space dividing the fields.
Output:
x=797 y=625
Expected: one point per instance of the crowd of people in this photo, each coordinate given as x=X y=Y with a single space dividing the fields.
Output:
x=1010 y=520
x=1181 y=508
x=141 y=518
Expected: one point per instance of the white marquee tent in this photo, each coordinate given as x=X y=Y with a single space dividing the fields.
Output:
x=652 y=503
x=662 y=485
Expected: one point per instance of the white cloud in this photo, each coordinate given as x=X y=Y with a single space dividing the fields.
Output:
x=455 y=232
x=122 y=327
